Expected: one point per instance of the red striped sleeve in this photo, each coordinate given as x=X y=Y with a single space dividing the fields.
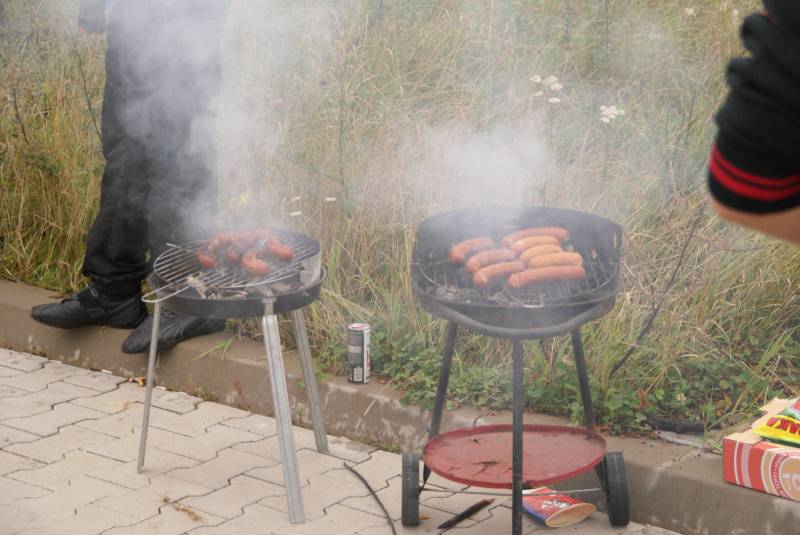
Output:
x=749 y=185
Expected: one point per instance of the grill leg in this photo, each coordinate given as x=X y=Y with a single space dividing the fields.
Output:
x=283 y=418
x=441 y=389
x=516 y=455
x=583 y=380
x=301 y=336
x=148 y=396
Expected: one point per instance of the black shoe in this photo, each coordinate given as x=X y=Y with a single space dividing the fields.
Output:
x=89 y=307
x=173 y=329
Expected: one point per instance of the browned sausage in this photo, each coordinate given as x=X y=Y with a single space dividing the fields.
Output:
x=460 y=251
x=254 y=265
x=545 y=274
x=206 y=258
x=524 y=244
x=277 y=249
x=555 y=259
x=556 y=232
x=234 y=254
x=486 y=258
x=539 y=250
x=485 y=276
x=219 y=241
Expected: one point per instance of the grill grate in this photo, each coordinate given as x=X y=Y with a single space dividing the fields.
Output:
x=177 y=268
x=450 y=282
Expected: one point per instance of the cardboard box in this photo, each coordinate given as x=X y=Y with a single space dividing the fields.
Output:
x=755 y=463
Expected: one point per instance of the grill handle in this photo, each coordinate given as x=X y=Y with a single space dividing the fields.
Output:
x=529 y=334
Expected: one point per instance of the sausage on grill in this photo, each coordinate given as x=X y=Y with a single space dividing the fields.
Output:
x=524 y=244
x=486 y=258
x=559 y=233
x=539 y=250
x=485 y=276
x=254 y=265
x=277 y=249
x=555 y=259
x=206 y=258
x=545 y=274
x=460 y=251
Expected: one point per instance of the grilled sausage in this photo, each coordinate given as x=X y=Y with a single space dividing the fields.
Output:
x=277 y=249
x=485 y=276
x=253 y=264
x=234 y=254
x=486 y=258
x=539 y=250
x=219 y=241
x=524 y=244
x=206 y=258
x=555 y=259
x=556 y=232
x=460 y=251
x=545 y=274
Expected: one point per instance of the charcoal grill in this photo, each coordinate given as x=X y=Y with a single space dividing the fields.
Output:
x=183 y=286
x=538 y=311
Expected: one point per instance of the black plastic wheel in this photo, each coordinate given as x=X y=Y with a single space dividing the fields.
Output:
x=410 y=490
x=615 y=484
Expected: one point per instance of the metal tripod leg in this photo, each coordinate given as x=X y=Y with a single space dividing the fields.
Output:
x=583 y=380
x=516 y=455
x=283 y=418
x=148 y=396
x=307 y=365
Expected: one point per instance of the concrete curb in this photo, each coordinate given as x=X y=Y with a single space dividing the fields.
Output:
x=671 y=486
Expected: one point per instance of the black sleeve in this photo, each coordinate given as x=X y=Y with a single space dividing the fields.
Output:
x=755 y=161
x=92 y=15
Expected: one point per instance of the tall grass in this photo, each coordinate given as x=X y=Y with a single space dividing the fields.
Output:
x=355 y=122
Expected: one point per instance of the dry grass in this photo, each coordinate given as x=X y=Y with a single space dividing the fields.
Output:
x=380 y=116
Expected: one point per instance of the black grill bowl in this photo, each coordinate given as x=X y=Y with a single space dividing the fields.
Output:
x=444 y=290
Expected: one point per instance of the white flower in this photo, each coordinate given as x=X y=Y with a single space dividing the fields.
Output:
x=689 y=12
x=550 y=80
x=735 y=15
x=295 y=214
x=609 y=113
x=536 y=79
x=556 y=87
x=295 y=199
x=554 y=100
x=538 y=94
x=605 y=119
x=330 y=199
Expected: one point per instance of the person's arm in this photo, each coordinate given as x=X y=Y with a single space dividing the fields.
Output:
x=92 y=17
x=754 y=169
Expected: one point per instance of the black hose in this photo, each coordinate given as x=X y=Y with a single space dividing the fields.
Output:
x=372 y=492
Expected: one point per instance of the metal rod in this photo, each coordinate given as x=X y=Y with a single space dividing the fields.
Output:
x=516 y=465
x=310 y=380
x=583 y=380
x=148 y=396
x=283 y=418
x=441 y=389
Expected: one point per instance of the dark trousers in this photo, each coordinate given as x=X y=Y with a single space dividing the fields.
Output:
x=158 y=186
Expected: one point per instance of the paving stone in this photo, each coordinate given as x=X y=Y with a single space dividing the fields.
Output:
x=205 y=447
x=53 y=448
x=126 y=449
x=48 y=423
x=155 y=463
x=322 y=492
x=86 y=520
x=58 y=474
x=174 y=519
x=52 y=372
x=341 y=447
x=9 y=372
x=9 y=436
x=430 y=519
x=11 y=462
x=198 y=421
x=124 y=423
x=41 y=401
x=21 y=361
x=457 y=502
x=390 y=496
x=63 y=502
x=123 y=397
x=381 y=467
x=216 y=472
x=267 y=447
x=256 y=520
x=13 y=490
x=254 y=423
x=145 y=502
x=338 y=520
x=100 y=381
x=228 y=502
x=15 y=519
x=310 y=463
x=10 y=391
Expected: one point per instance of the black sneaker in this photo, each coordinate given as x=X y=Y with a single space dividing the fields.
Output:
x=89 y=307
x=173 y=329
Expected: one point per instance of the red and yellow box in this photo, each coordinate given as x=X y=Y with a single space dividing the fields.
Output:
x=753 y=462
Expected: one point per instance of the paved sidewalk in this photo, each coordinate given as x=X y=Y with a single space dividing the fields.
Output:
x=68 y=448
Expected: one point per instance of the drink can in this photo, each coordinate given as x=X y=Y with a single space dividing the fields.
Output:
x=358 y=364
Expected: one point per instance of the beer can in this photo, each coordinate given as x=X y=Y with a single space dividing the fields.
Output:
x=358 y=365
